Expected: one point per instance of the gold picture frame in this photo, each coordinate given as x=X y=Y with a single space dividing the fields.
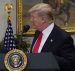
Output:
x=20 y=18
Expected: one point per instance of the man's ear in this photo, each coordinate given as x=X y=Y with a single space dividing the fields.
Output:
x=43 y=19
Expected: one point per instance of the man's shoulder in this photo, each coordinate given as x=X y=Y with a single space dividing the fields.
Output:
x=60 y=33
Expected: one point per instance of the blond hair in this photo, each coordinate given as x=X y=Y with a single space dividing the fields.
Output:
x=43 y=9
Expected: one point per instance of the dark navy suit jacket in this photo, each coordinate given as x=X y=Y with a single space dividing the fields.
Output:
x=61 y=45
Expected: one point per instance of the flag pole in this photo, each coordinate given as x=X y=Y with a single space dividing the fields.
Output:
x=8 y=9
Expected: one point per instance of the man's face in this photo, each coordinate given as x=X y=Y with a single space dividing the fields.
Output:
x=36 y=20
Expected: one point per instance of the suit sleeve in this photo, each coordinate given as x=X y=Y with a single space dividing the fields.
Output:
x=66 y=60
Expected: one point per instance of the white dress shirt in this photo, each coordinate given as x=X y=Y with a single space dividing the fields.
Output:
x=46 y=33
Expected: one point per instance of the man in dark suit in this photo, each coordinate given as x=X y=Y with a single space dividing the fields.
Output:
x=54 y=39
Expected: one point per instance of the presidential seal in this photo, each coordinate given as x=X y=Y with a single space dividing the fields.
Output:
x=15 y=60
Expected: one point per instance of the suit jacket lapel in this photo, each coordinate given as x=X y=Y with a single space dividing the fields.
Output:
x=50 y=41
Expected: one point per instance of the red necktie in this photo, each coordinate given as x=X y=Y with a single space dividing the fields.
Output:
x=37 y=44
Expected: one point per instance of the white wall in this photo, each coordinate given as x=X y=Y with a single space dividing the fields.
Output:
x=3 y=17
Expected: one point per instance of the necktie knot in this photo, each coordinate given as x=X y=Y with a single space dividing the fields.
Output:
x=40 y=35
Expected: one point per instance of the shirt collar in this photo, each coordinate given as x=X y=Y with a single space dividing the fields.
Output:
x=48 y=30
